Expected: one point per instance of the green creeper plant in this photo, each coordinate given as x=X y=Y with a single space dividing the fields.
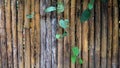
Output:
x=29 y=16
x=75 y=53
x=59 y=8
x=64 y=23
x=87 y=13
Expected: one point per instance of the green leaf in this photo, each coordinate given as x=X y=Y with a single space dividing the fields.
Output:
x=75 y=51
x=50 y=9
x=58 y=36
x=90 y=6
x=80 y=61
x=63 y=23
x=64 y=34
x=104 y=1
x=92 y=1
x=73 y=59
x=30 y=16
x=60 y=7
x=85 y=15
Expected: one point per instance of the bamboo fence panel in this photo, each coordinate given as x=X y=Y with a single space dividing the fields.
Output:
x=31 y=42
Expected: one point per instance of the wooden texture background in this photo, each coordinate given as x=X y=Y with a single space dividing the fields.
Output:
x=31 y=43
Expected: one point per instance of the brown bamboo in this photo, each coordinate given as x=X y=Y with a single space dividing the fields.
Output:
x=9 y=35
x=115 y=35
x=66 y=39
x=3 y=35
x=72 y=27
x=60 y=43
x=0 y=55
x=91 y=40
x=14 y=33
x=85 y=39
x=20 y=33
x=37 y=33
x=32 y=36
x=27 y=34
x=78 y=29
x=119 y=54
x=97 y=33
x=104 y=35
x=110 y=21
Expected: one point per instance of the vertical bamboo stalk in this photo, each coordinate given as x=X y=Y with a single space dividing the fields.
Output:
x=66 y=39
x=43 y=32
x=37 y=33
x=119 y=43
x=3 y=35
x=104 y=36
x=27 y=34
x=14 y=32
x=60 y=44
x=0 y=54
x=115 y=35
x=72 y=26
x=91 y=40
x=54 y=44
x=85 y=39
x=20 y=33
x=9 y=35
x=110 y=21
x=32 y=36
x=48 y=38
x=78 y=28
x=97 y=33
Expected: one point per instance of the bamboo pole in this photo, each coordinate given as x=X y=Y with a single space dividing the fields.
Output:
x=78 y=29
x=60 y=42
x=97 y=33
x=0 y=54
x=66 y=39
x=48 y=38
x=9 y=35
x=20 y=33
x=37 y=33
x=72 y=27
x=27 y=34
x=54 y=30
x=32 y=36
x=104 y=35
x=3 y=35
x=43 y=32
x=110 y=21
x=85 y=39
x=14 y=32
x=91 y=40
x=115 y=35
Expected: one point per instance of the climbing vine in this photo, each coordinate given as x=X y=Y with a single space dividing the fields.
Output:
x=64 y=23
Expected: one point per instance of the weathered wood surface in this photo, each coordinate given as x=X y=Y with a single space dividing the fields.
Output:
x=31 y=43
